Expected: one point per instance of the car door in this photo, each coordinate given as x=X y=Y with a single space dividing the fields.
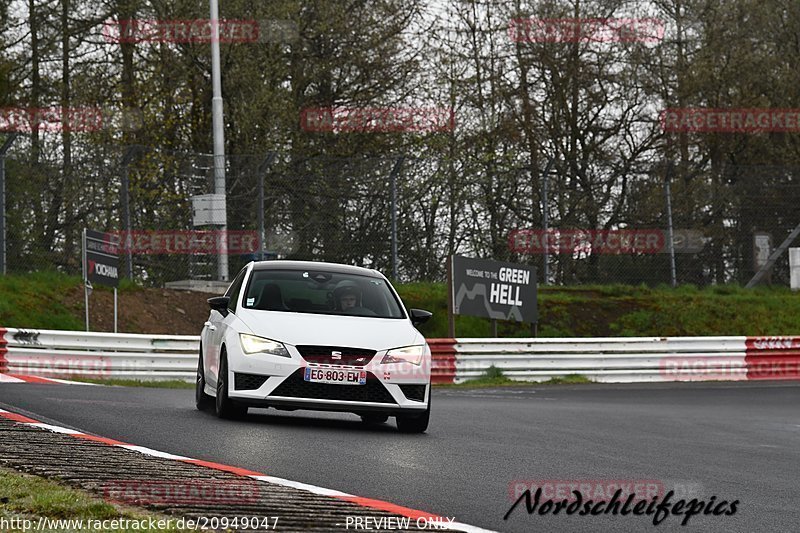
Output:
x=217 y=326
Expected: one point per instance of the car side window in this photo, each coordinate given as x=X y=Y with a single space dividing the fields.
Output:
x=234 y=290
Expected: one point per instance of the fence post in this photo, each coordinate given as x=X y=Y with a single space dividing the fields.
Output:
x=6 y=145
x=670 y=238
x=393 y=178
x=262 y=169
x=546 y=221
x=126 y=208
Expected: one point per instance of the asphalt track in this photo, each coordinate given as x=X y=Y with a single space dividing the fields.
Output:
x=735 y=441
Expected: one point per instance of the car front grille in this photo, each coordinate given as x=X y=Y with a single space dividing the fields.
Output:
x=248 y=381
x=414 y=392
x=323 y=355
x=296 y=387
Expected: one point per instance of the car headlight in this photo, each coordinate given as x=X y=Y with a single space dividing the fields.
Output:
x=253 y=344
x=409 y=354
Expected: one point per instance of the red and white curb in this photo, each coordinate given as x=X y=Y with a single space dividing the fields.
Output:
x=378 y=505
x=20 y=378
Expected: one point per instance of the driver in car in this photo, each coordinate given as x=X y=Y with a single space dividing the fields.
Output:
x=348 y=295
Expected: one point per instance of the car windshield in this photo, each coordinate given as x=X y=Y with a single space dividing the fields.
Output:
x=321 y=292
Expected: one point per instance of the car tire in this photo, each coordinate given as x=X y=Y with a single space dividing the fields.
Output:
x=225 y=407
x=374 y=418
x=203 y=401
x=415 y=423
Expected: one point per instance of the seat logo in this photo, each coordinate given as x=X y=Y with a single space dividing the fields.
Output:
x=336 y=355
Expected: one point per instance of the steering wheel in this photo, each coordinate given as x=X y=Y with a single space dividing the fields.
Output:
x=363 y=311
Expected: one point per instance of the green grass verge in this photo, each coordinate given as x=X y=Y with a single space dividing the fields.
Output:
x=483 y=383
x=629 y=311
x=38 y=300
x=494 y=377
x=35 y=301
x=26 y=497
x=168 y=384
x=569 y=379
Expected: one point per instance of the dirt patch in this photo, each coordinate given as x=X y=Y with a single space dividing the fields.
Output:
x=154 y=311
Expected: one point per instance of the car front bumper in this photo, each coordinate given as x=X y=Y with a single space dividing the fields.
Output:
x=264 y=380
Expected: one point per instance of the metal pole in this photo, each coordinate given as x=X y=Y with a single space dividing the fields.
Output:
x=6 y=145
x=219 y=133
x=260 y=216
x=670 y=236
x=85 y=280
x=546 y=221
x=451 y=319
x=2 y=214
x=126 y=210
x=393 y=179
x=115 y=309
x=262 y=169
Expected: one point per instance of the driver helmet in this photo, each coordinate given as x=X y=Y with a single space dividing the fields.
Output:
x=346 y=288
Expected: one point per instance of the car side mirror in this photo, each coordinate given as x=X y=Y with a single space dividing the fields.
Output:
x=420 y=316
x=219 y=303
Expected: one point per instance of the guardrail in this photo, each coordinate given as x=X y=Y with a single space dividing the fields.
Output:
x=625 y=359
x=90 y=355
x=71 y=354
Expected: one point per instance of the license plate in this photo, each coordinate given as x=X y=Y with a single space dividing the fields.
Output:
x=335 y=376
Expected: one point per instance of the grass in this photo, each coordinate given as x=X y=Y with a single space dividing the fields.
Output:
x=569 y=379
x=39 y=300
x=494 y=377
x=26 y=497
x=629 y=311
x=36 y=301
x=167 y=384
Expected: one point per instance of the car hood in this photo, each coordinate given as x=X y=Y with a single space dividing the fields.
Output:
x=331 y=330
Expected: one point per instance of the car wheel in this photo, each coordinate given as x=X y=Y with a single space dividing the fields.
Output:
x=415 y=423
x=374 y=418
x=225 y=407
x=203 y=401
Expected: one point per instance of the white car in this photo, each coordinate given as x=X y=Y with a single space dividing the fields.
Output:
x=320 y=336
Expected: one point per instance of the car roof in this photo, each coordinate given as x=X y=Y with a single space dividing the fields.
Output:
x=335 y=268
